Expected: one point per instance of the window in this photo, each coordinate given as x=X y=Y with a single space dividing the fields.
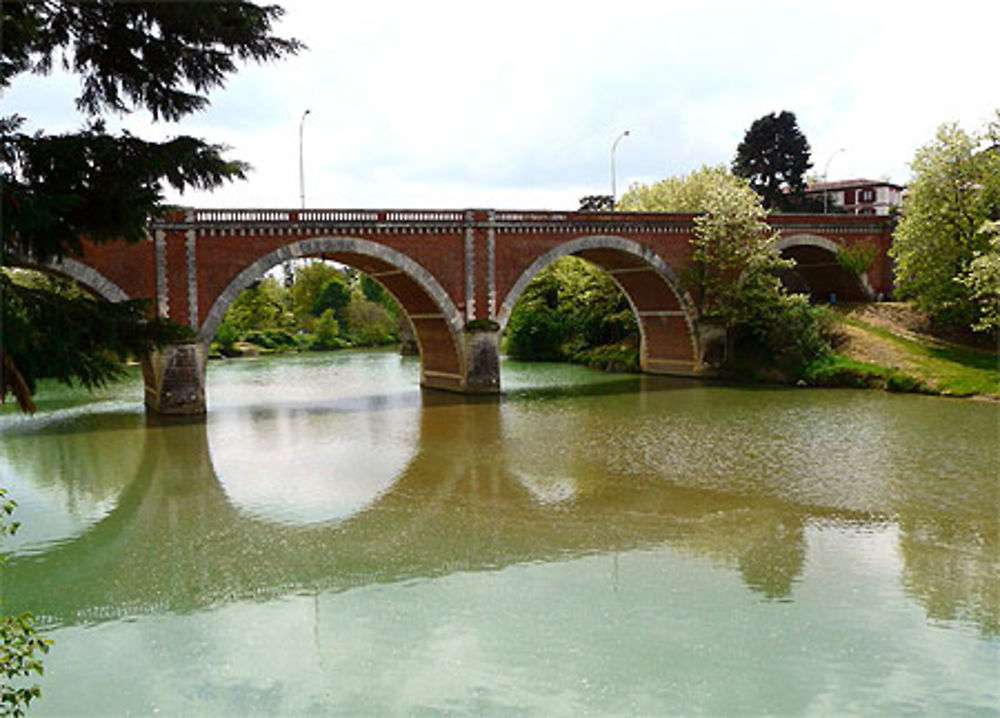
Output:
x=866 y=195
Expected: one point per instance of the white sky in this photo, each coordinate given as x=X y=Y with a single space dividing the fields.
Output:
x=516 y=104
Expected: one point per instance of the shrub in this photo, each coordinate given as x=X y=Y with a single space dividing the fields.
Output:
x=857 y=258
x=226 y=336
x=791 y=332
x=325 y=333
x=369 y=323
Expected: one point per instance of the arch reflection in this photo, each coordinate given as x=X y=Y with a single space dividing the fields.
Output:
x=485 y=485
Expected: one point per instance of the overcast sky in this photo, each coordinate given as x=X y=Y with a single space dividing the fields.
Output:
x=516 y=104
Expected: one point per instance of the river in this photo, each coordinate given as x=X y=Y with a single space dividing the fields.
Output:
x=331 y=539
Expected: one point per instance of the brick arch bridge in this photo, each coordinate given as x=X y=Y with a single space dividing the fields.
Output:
x=457 y=275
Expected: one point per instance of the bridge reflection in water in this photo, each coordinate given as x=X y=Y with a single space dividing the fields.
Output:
x=472 y=492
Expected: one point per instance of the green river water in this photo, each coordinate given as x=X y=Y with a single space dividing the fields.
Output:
x=333 y=540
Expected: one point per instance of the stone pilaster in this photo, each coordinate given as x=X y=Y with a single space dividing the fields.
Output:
x=481 y=357
x=175 y=379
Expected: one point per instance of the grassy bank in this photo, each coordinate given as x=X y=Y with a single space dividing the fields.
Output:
x=891 y=346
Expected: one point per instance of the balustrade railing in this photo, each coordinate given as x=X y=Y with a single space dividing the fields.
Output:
x=402 y=218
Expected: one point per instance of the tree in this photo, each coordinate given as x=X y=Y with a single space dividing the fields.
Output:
x=326 y=330
x=58 y=189
x=954 y=194
x=983 y=281
x=334 y=294
x=733 y=275
x=569 y=307
x=369 y=323
x=308 y=281
x=774 y=156
x=375 y=292
x=734 y=255
x=262 y=305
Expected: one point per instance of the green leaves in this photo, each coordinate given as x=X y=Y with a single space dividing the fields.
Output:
x=59 y=189
x=569 y=306
x=84 y=339
x=954 y=193
x=733 y=275
x=19 y=643
x=160 y=56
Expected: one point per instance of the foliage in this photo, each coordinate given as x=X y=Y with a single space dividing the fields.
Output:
x=983 y=280
x=333 y=295
x=774 y=157
x=326 y=331
x=792 y=332
x=20 y=644
x=226 y=336
x=375 y=292
x=262 y=305
x=271 y=339
x=734 y=261
x=609 y=357
x=856 y=259
x=597 y=203
x=955 y=191
x=733 y=277
x=84 y=341
x=686 y=193
x=57 y=189
x=325 y=306
x=568 y=307
x=369 y=323
x=307 y=282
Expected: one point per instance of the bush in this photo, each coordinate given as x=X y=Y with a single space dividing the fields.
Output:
x=791 y=332
x=369 y=324
x=226 y=336
x=326 y=330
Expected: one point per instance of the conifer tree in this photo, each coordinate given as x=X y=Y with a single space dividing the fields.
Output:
x=60 y=188
x=774 y=156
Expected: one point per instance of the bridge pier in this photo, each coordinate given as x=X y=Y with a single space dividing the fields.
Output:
x=174 y=377
x=478 y=362
x=481 y=357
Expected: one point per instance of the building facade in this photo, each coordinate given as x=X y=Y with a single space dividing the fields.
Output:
x=858 y=196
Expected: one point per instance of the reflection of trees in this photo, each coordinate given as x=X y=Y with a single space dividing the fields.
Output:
x=952 y=567
x=89 y=459
x=174 y=542
x=487 y=486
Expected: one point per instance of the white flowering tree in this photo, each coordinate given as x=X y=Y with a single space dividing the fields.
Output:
x=954 y=194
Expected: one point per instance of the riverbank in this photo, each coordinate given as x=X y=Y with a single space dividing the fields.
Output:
x=879 y=345
x=892 y=346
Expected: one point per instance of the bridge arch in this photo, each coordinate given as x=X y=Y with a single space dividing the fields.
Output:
x=86 y=276
x=669 y=341
x=436 y=321
x=817 y=268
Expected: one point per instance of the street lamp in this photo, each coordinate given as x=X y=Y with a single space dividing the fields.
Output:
x=302 y=174
x=614 y=146
x=826 y=169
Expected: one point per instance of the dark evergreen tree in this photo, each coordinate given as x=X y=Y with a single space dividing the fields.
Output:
x=162 y=57
x=774 y=155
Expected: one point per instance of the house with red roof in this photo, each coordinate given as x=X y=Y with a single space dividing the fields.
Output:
x=858 y=196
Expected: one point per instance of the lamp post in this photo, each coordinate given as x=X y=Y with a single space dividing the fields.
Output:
x=614 y=146
x=302 y=174
x=826 y=169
